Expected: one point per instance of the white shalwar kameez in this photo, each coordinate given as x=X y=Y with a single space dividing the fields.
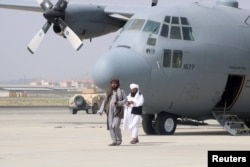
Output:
x=132 y=121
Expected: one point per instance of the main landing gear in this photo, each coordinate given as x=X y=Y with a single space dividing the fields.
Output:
x=164 y=124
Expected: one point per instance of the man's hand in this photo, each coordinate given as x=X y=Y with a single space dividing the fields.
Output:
x=129 y=102
x=100 y=113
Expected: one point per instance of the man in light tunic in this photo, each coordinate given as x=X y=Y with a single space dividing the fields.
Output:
x=112 y=105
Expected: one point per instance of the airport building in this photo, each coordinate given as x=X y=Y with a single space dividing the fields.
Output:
x=43 y=88
x=35 y=91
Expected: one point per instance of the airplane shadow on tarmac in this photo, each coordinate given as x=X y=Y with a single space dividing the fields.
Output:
x=146 y=144
x=210 y=133
x=198 y=133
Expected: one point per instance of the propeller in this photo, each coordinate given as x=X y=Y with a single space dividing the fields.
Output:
x=154 y=2
x=54 y=15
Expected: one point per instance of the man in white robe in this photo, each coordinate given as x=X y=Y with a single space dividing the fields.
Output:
x=133 y=112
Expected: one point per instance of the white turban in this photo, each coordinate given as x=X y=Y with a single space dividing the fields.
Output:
x=132 y=86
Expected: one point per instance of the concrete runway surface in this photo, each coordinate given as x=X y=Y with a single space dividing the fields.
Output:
x=49 y=137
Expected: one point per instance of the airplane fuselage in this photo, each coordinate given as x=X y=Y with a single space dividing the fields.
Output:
x=192 y=53
x=191 y=61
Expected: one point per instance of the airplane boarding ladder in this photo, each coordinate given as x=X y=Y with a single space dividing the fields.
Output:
x=232 y=123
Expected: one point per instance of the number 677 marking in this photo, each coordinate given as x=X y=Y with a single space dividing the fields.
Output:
x=188 y=66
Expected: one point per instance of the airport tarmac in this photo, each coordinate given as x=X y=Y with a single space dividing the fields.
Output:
x=49 y=137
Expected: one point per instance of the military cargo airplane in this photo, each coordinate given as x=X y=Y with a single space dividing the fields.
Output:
x=191 y=60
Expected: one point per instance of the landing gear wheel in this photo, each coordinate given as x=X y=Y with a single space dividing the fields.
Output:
x=165 y=124
x=247 y=122
x=74 y=111
x=147 y=123
x=94 y=108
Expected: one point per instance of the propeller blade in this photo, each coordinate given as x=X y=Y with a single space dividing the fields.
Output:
x=73 y=38
x=70 y=35
x=45 y=4
x=37 y=39
x=54 y=14
x=61 y=5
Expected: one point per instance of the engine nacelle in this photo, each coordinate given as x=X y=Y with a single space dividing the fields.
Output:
x=89 y=21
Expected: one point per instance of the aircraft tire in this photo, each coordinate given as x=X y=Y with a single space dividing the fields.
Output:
x=94 y=108
x=165 y=124
x=74 y=111
x=247 y=122
x=79 y=101
x=147 y=123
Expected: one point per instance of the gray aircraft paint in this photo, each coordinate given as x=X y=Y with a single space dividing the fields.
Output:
x=217 y=58
x=220 y=43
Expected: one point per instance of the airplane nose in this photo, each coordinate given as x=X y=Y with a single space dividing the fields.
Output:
x=123 y=63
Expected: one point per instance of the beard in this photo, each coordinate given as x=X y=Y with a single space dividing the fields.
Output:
x=133 y=94
x=114 y=87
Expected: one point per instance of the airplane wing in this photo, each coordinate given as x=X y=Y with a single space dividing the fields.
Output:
x=33 y=8
x=118 y=12
x=54 y=14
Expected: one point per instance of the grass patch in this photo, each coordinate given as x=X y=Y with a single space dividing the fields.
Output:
x=33 y=101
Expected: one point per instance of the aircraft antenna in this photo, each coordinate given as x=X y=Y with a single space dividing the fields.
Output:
x=225 y=106
x=230 y=3
x=154 y=2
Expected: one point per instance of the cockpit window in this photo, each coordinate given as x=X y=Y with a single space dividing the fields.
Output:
x=151 y=41
x=172 y=58
x=164 y=30
x=167 y=19
x=184 y=21
x=125 y=27
x=177 y=59
x=175 y=20
x=127 y=24
x=167 y=58
x=179 y=28
x=136 y=24
x=175 y=32
x=187 y=33
x=152 y=27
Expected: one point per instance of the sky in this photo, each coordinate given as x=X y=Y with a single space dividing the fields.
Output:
x=55 y=58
